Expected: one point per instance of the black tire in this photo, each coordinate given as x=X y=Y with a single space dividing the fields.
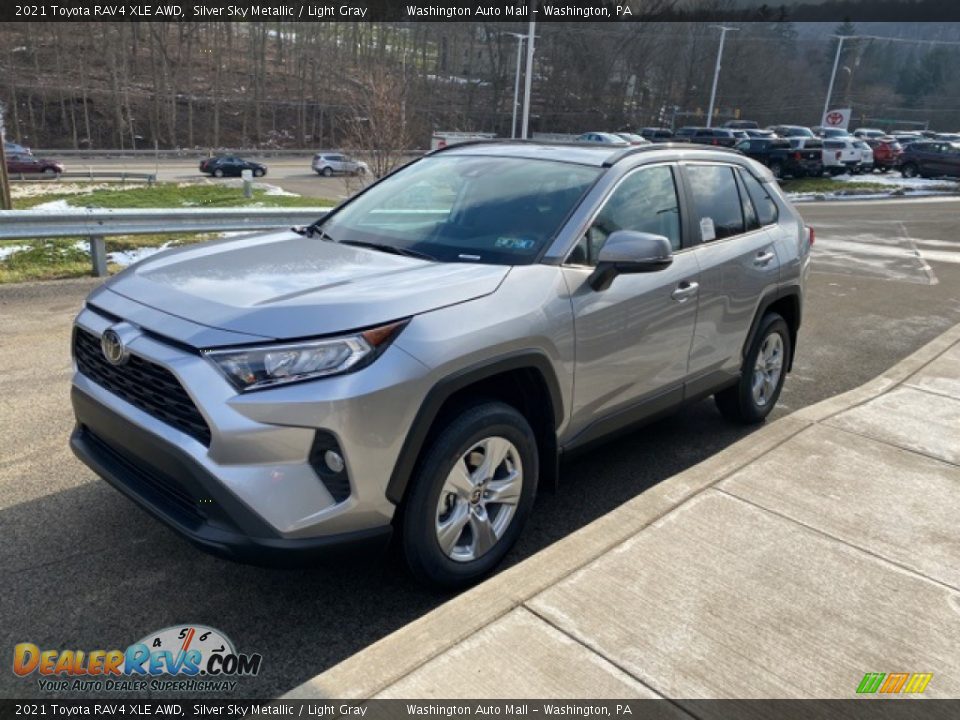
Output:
x=218 y=173
x=777 y=170
x=327 y=172
x=909 y=170
x=259 y=172
x=737 y=403
x=427 y=561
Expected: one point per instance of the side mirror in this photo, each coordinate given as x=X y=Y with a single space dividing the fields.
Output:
x=628 y=252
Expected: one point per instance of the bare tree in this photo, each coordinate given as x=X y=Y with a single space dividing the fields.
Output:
x=376 y=125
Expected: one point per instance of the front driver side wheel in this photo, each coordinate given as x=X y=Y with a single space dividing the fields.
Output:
x=470 y=496
x=762 y=375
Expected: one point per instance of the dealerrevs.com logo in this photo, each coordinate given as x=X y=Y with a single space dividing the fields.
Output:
x=184 y=658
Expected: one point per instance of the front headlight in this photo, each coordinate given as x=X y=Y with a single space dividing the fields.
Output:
x=252 y=368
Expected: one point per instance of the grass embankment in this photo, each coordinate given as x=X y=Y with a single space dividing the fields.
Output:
x=68 y=257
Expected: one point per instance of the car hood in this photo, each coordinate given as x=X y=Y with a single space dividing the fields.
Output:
x=284 y=285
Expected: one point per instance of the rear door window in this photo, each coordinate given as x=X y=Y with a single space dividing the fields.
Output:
x=716 y=201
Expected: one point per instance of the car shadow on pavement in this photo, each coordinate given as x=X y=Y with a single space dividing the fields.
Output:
x=85 y=569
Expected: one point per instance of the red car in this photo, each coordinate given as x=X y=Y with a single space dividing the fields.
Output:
x=30 y=165
x=886 y=152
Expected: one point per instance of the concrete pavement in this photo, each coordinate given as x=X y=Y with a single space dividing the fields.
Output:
x=820 y=548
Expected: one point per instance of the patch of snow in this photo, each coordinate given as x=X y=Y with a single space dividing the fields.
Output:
x=54 y=206
x=125 y=258
x=275 y=190
x=8 y=250
x=894 y=179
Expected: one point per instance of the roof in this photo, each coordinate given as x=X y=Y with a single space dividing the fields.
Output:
x=583 y=153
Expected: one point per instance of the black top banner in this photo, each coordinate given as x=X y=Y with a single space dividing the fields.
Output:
x=488 y=11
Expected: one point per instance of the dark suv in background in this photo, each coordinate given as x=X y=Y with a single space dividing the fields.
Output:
x=931 y=159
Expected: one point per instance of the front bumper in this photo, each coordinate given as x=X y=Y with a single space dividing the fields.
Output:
x=252 y=483
x=169 y=485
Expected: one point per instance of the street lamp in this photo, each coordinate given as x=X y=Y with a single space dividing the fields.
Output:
x=716 y=72
x=516 y=81
x=833 y=74
x=528 y=79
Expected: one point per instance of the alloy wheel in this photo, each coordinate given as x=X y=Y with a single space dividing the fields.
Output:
x=479 y=499
x=767 y=369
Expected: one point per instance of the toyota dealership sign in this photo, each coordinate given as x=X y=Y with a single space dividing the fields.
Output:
x=839 y=118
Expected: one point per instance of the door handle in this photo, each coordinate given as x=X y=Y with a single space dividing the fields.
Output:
x=685 y=291
x=763 y=258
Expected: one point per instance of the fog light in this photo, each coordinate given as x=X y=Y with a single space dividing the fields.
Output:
x=334 y=461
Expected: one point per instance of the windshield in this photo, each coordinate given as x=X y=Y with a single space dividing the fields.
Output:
x=466 y=209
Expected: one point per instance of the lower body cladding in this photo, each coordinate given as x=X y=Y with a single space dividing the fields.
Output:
x=248 y=476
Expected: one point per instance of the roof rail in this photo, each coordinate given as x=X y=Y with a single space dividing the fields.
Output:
x=627 y=152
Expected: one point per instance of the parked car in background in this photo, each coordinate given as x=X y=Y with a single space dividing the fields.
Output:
x=886 y=153
x=930 y=158
x=20 y=164
x=866 y=156
x=906 y=138
x=830 y=132
x=657 y=134
x=685 y=133
x=632 y=138
x=947 y=137
x=12 y=148
x=783 y=159
x=760 y=133
x=864 y=133
x=740 y=125
x=792 y=131
x=602 y=137
x=336 y=163
x=840 y=156
x=714 y=136
x=229 y=166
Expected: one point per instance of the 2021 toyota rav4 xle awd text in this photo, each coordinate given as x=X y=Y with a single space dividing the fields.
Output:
x=417 y=360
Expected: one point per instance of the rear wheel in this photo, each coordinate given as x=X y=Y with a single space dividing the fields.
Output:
x=327 y=172
x=777 y=170
x=762 y=375
x=218 y=173
x=910 y=170
x=258 y=172
x=470 y=496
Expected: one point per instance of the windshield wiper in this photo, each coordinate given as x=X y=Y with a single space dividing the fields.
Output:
x=311 y=230
x=383 y=247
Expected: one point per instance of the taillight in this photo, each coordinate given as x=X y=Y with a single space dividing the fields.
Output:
x=716 y=142
x=812 y=235
x=838 y=154
x=796 y=156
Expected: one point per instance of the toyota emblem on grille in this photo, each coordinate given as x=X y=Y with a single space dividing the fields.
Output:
x=113 y=348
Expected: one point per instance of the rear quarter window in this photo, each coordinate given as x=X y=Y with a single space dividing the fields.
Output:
x=766 y=208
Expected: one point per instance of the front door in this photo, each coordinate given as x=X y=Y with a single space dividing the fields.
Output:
x=633 y=338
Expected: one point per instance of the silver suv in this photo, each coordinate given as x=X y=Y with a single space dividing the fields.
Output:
x=334 y=163
x=419 y=359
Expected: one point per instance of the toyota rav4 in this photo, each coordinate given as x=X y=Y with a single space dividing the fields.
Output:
x=418 y=360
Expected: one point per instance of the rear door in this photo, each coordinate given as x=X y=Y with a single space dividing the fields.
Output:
x=738 y=264
x=633 y=338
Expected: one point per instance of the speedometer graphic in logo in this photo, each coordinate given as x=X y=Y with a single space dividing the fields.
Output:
x=184 y=638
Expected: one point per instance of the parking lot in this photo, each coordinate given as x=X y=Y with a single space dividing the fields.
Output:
x=84 y=568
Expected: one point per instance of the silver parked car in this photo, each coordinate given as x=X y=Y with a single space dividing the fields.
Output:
x=421 y=357
x=336 y=163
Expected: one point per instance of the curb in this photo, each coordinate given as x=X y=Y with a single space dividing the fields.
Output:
x=373 y=669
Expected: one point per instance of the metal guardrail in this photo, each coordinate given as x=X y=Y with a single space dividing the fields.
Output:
x=96 y=224
x=121 y=175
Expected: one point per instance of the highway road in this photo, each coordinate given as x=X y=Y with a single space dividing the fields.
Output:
x=293 y=174
x=83 y=568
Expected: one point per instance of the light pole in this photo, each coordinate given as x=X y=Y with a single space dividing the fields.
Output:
x=5 y=203
x=516 y=82
x=833 y=75
x=716 y=71
x=528 y=80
